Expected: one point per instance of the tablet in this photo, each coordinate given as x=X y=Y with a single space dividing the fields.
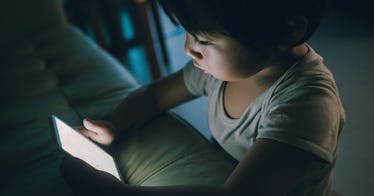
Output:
x=83 y=148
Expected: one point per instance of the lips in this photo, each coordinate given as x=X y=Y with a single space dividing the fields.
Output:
x=200 y=67
x=196 y=64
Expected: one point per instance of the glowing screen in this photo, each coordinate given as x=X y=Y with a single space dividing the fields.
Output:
x=81 y=147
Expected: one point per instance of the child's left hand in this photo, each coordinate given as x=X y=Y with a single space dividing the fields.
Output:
x=83 y=179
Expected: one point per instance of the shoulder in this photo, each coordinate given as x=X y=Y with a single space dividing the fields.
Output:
x=304 y=109
x=309 y=82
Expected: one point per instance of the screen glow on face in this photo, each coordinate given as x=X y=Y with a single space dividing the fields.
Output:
x=81 y=147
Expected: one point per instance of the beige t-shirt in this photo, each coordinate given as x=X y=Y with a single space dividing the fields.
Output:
x=302 y=108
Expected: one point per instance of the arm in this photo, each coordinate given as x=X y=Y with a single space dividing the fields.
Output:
x=151 y=100
x=269 y=168
x=139 y=107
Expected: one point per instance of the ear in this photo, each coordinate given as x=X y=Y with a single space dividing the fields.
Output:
x=298 y=26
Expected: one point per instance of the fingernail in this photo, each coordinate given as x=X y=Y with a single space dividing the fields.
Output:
x=88 y=120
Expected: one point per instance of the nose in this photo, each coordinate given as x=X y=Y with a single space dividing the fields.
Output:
x=190 y=48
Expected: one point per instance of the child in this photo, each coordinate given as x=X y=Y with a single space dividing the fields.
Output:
x=273 y=104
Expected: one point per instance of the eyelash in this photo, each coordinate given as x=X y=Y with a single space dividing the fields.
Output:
x=203 y=42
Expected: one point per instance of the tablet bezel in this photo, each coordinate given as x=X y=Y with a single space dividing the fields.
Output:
x=57 y=140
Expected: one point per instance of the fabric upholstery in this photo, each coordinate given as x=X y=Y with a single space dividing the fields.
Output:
x=60 y=72
x=20 y=18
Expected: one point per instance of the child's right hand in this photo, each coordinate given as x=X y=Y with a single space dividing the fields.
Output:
x=102 y=132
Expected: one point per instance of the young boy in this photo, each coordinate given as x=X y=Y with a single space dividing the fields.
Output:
x=273 y=104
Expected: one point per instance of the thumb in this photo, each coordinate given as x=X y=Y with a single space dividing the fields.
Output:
x=93 y=126
x=99 y=131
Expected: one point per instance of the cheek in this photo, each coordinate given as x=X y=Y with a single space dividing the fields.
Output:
x=217 y=63
x=244 y=64
x=234 y=64
x=229 y=66
x=224 y=69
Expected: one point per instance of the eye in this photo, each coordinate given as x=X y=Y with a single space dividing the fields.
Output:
x=203 y=42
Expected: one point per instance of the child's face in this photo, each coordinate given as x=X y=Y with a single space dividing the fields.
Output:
x=222 y=57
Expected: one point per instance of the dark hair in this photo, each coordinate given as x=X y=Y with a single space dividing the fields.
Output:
x=255 y=23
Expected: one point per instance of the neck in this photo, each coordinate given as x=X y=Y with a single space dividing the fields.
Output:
x=280 y=64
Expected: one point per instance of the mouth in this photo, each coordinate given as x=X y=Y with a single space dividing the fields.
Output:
x=196 y=64
x=200 y=67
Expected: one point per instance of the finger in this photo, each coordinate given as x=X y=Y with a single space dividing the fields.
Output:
x=99 y=131
x=79 y=128
x=87 y=133
x=93 y=126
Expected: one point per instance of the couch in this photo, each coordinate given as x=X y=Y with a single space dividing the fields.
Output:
x=48 y=66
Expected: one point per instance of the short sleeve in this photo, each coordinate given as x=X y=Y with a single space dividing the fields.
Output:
x=195 y=81
x=309 y=118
